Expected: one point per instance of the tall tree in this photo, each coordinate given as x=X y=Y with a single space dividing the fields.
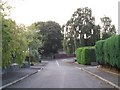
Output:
x=107 y=28
x=82 y=29
x=51 y=36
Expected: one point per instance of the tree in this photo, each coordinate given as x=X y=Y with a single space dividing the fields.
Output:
x=107 y=29
x=7 y=25
x=19 y=44
x=81 y=28
x=34 y=43
x=14 y=43
x=16 y=40
x=3 y=8
x=51 y=36
x=6 y=44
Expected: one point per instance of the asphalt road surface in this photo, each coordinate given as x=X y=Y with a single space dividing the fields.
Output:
x=61 y=74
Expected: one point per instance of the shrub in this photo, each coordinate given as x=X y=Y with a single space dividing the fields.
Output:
x=85 y=55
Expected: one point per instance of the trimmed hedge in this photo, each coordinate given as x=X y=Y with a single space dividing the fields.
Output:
x=108 y=51
x=99 y=51
x=85 y=55
x=78 y=55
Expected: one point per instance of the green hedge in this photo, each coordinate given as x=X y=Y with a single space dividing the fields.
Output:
x=99 y=51
x=108 y=51
x=78 y=56
x=85 y=55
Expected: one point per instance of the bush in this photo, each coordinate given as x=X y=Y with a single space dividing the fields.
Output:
x=108 y=51
x=85 y=55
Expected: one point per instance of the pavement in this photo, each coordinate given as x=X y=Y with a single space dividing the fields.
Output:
x=106 y=76
x=112 y=77
x=16 y=76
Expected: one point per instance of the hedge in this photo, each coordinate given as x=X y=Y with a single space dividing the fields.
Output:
x=78 y=56
x=85 y=55
x=108 y=51
x=99 y=51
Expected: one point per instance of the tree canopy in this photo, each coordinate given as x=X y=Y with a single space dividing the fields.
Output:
x=51 y=36
x=15 y=40
x=81 y=30
x=14 y=43
x=107 y=28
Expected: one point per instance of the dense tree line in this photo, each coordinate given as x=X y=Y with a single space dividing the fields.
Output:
x=20 y=43
x=81 y=30
x=16 y=40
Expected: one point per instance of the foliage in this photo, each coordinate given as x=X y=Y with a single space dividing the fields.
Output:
x=79 y=55
x=34 y=56
x=85 y=55
x=4 y=9
x=81 y=29
x=68 y=46
x=6 y=47
x=14 y=43
x=15 y=40
x=107 y=29
x=51 y=36
x=111 y=51
x=99 y=51
x=34 y=43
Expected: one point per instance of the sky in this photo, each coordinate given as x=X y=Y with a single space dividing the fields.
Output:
x=30 y=11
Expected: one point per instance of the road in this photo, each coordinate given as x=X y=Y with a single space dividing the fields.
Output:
x=61 y=74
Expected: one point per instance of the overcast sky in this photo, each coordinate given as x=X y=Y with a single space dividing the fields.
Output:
x=30 y=11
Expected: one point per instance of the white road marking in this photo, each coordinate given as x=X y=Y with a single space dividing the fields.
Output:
x=40 y=69
x=78 y=68
x=57 y=63
x=64 y=59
